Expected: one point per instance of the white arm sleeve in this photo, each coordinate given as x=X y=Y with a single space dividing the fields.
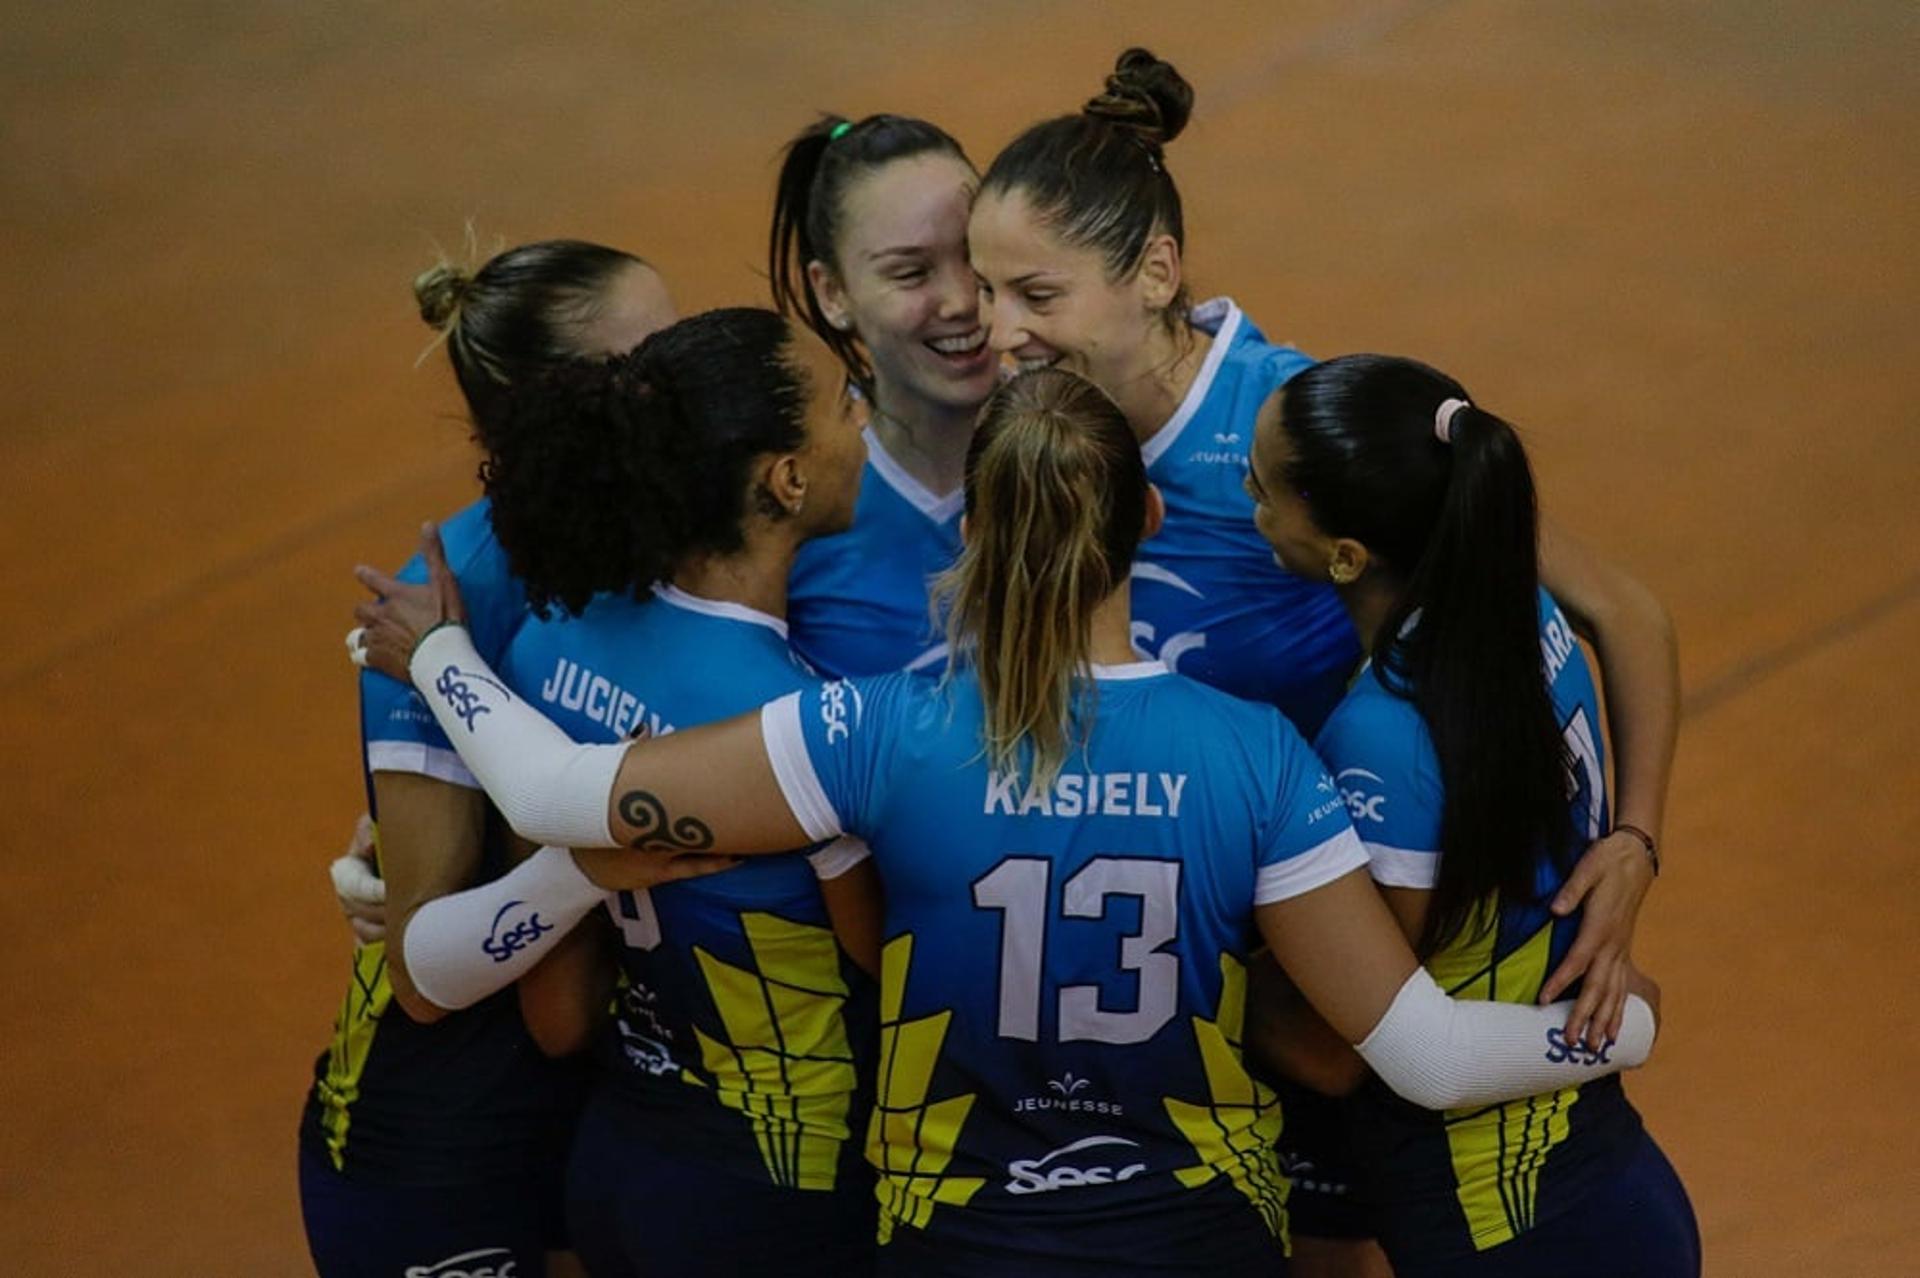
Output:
x=462 y=947
x=550 y=788
x=1444 y=1053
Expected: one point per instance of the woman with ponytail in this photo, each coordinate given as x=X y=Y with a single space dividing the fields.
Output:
x=1469 y=756
x=869 y=249
x=433 y=1133
x=1078 y=236
x=1078 y=848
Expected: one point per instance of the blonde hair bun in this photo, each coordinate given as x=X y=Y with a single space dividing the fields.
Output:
x=439 y=290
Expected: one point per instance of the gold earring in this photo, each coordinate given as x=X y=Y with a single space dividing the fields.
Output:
x=1342 y=572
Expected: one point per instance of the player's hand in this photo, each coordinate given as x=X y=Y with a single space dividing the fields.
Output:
x=392 y=625
x=1638 y=982
x=358 y=886
x=1607 y=885
x=624 y=869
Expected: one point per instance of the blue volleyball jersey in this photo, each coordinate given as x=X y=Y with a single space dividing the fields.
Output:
x=469 y=1097
x=1468 y=1180
x=739 y=1030
x=398 y=730
x=1208 y=597
x=1063 y=980
x=857 y=600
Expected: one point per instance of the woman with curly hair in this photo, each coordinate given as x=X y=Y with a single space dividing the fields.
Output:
x=652 y=505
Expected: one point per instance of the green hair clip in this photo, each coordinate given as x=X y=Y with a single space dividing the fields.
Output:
x=839 y=130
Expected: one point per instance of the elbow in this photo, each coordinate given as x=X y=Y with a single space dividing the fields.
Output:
x=556 y=1039
x=1341 y=1076
x=417 y=1006
x=406 y=993
x=1428 y=1088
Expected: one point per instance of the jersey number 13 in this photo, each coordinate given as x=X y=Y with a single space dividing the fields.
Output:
x=1018 y=887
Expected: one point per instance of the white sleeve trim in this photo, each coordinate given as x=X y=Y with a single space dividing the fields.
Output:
x=787 y=751
x=838 y=857
x=421 y=760
x=1316 y=867
x=1403 y=867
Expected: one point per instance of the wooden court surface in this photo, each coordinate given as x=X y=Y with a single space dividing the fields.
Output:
x=1676 y=242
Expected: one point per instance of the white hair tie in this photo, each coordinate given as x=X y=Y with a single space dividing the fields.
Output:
x=1443 y=418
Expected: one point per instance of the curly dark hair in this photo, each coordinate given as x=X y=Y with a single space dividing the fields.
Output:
x=606 y=474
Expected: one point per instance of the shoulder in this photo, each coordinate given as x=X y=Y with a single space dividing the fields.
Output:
x=1371 y=724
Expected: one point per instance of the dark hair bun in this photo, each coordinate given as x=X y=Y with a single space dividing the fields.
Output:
x=1145 y=95
x=439 y=290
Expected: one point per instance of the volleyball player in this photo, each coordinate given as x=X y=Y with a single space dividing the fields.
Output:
x=737 y=1066
x=1076 y=846
x=869 y=248
x=429 y=1136
x=1454 y=750
x=1078 y=238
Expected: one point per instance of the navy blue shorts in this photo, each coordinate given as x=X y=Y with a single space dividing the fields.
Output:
x=913 y=1254
x=493 y=1229
x=1317 y=1155
x=1638 y=1222
x=634 y=1211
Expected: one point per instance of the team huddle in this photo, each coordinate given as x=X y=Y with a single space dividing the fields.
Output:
x=988 y=766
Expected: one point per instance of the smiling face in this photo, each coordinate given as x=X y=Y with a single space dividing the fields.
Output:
x=904 y=285
x=1053 y=303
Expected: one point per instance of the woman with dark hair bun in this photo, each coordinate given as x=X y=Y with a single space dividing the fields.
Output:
x=1079 y=850
x=652 y=504
x=1078 y=236
x=1470 y=755
x=869 y=248
x=433 y=1133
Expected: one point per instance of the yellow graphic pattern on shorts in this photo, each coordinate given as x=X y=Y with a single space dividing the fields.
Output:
x=911 y=1140
x=1233 y=1133
x=368 y=995
x=785 y=1063
x=1499 y=1150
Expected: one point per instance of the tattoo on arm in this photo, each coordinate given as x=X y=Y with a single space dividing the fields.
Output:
x=657 y=831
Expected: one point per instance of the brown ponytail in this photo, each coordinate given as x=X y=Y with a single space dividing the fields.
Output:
x=1056 y=498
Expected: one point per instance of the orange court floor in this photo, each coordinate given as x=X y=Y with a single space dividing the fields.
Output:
x=1678 y=243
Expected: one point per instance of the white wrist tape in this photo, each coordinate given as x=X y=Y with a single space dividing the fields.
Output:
x=550 y=788
x=1444 y=1053
x=463 y=947
x=355 y=883
x=838 y=857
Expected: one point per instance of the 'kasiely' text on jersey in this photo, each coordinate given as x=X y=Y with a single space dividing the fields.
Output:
x=1077 y=794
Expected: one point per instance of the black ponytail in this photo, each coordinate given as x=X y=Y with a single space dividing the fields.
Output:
x=1455 y=522
x=612 y=472
x=820 y=164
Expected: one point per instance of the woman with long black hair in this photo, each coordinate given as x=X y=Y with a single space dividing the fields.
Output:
x=1470 y=758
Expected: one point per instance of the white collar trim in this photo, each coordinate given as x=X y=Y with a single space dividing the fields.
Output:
x=668 y=593
x=1221 y=317
x=1131 y=670
x=917 y=495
